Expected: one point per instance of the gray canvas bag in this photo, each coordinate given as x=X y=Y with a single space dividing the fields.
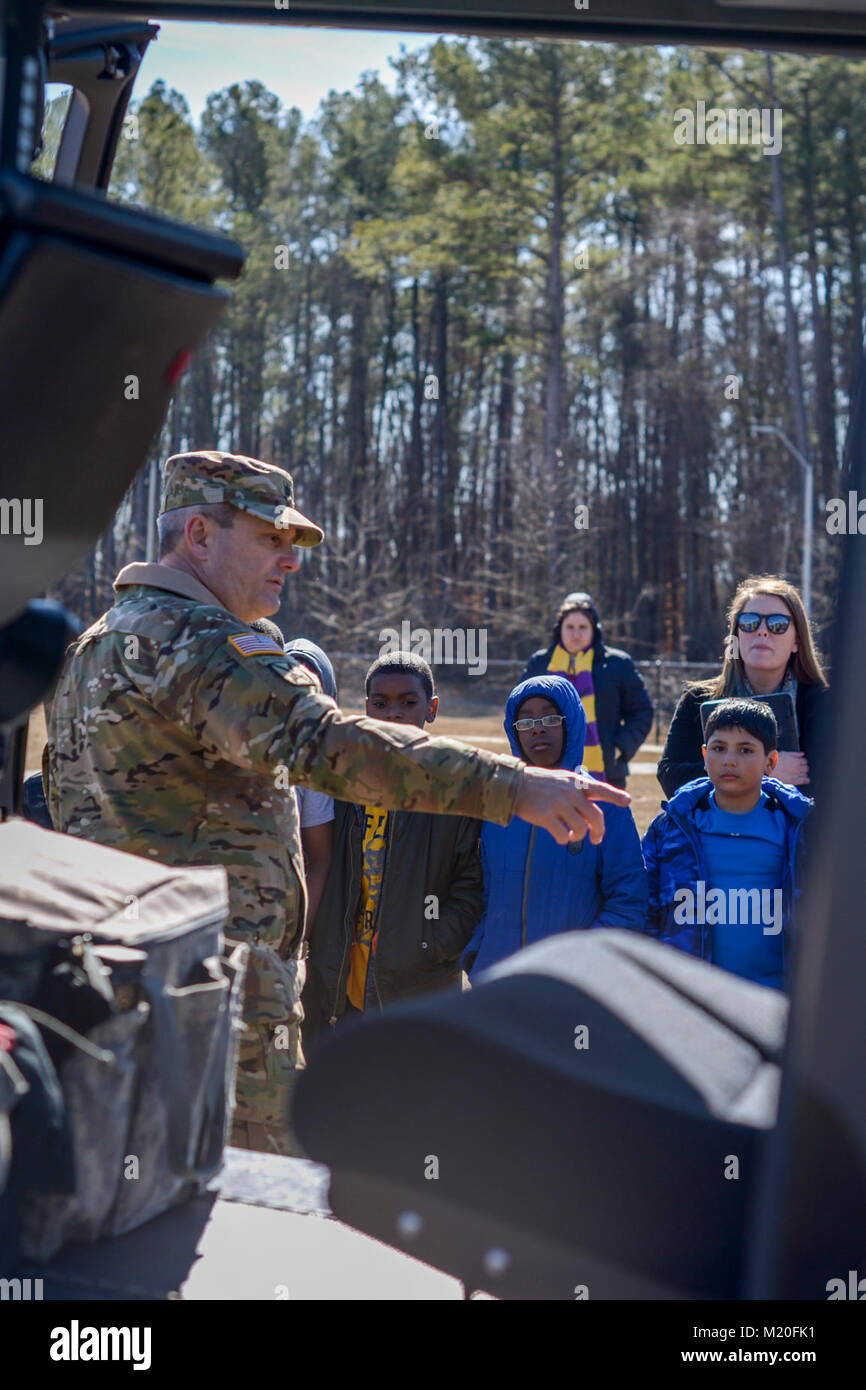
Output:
x=87 y=931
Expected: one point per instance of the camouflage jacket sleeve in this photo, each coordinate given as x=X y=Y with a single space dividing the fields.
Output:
x=262 y=713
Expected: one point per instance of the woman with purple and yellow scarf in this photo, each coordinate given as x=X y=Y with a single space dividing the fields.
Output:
x=615 y=700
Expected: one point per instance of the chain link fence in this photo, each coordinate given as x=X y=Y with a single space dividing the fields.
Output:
x=666 y=680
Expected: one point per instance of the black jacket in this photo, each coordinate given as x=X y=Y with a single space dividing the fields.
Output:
x=416 y=951
x=681 y=759
x=623 y=708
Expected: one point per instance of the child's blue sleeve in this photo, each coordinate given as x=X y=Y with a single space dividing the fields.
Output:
x=797 y=872
x=623 y=886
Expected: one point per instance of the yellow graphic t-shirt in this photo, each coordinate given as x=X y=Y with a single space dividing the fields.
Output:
x=372 y=868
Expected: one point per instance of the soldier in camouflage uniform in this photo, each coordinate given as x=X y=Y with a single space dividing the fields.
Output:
x=175 y=732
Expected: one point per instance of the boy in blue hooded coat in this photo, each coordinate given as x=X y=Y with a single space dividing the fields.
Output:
x=534 y=887
x=723 y=856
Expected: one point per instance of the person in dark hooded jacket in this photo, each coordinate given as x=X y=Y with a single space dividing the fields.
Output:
x=534 y=887
x=616 y=702
x=404 y=893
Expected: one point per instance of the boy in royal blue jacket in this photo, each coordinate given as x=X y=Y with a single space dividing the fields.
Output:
x=723 y=857
x=534 y=887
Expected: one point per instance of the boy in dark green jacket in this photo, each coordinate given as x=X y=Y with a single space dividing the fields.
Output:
x=405 y=890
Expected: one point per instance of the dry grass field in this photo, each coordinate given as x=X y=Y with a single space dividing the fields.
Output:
x=481 y=730
x=485 y=731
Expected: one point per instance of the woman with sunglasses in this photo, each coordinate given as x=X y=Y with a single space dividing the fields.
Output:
x=769 y=650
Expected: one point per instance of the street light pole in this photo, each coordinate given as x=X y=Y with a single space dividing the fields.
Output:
x=808 y=490
x=808 y=504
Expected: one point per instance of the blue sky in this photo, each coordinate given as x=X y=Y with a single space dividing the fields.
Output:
x=299 y=65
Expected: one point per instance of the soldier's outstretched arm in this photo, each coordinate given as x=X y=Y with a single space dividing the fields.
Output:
x=264 y=714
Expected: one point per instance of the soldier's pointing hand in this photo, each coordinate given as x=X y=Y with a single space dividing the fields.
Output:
x=563 y=803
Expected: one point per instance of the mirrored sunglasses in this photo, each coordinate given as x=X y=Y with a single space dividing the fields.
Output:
x=777 y=623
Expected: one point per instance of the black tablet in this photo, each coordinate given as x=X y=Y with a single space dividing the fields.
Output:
x=782 y=705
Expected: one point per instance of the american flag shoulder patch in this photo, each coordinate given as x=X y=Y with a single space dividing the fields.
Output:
x=255 y=644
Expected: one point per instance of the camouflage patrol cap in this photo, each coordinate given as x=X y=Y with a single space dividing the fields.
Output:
x=261 y=489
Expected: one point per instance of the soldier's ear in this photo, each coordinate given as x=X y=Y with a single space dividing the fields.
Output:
x=431 y=712
x=197 y=533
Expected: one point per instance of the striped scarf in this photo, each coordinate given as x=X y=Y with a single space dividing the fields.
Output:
x=577 y=668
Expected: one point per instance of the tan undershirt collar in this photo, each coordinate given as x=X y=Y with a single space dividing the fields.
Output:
x=166 y=577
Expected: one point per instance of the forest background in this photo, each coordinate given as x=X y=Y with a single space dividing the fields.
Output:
x=511 y=338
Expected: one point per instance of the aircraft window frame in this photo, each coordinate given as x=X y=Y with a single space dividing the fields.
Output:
x=44 y=165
